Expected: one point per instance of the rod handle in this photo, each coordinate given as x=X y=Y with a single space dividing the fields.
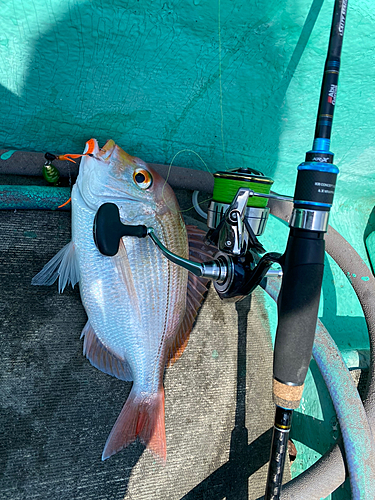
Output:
x=298 y=304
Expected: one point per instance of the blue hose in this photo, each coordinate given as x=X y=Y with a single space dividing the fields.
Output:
x=356 y=432
x=33 y=197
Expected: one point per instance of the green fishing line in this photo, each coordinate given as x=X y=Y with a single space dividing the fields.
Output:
x=226 y=185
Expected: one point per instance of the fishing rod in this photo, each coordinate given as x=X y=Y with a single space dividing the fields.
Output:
x=237 y=215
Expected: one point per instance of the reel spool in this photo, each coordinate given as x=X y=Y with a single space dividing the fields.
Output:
x=226 y=186
x=236 y=239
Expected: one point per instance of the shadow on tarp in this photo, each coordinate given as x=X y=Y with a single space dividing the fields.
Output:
x=370 y=228
x=230 y=481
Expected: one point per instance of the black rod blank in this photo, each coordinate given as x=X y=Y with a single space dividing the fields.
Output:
x=331 y=72
x=279 y=449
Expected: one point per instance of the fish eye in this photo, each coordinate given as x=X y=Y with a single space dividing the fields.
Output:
x=142 y=178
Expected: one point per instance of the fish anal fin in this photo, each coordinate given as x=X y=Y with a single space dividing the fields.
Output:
x=196 y=290
x=143 y=417
x=102 y=358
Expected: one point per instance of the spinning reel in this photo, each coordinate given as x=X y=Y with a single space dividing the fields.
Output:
x=237 y=215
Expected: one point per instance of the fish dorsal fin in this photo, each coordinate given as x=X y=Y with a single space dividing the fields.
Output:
x=64 y=265
x=196 y=289
x=100 y=357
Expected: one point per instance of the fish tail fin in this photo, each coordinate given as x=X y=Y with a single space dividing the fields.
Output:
x=141 y=417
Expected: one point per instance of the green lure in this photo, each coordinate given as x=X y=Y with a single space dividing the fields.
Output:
x=51 y=173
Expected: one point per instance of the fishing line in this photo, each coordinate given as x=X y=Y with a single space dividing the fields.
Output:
x=70 y=176
x=221 y=86
x=169 y=170
x=221 y=123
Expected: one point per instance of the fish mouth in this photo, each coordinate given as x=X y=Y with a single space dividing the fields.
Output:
x=106 y=151
x=93 y=150
x=112 y=152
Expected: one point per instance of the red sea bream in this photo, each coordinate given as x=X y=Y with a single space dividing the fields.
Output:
x=140 y=306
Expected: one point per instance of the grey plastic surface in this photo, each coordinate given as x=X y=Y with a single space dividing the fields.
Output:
x=57 y=410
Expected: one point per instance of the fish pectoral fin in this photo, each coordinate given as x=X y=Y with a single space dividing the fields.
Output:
x=143 y=417
x=196 y=290
x=123 y=266
x=102 y=358
x=64 y=265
